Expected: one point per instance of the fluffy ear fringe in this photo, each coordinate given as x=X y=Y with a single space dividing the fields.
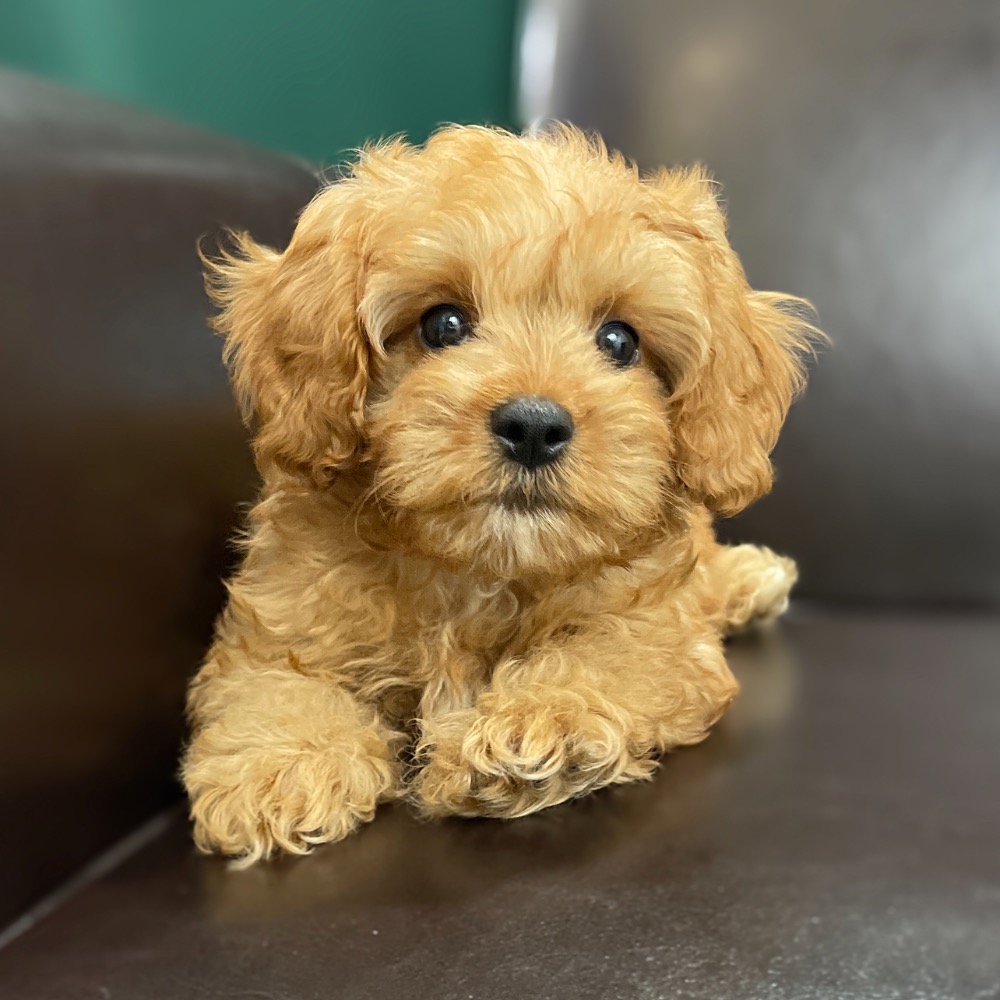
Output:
x=730 y=421
x=235 y=280
x=296 y=354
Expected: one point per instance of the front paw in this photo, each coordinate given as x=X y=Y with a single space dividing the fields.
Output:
x=520 y=753
x=255 y=801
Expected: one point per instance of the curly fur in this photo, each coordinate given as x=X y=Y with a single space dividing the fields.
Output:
x=395 y=628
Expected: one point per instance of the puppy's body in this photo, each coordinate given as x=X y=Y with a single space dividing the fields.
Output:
x=535 y=628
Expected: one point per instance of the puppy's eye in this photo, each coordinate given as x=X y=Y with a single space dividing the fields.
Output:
x=619 y=342
x=444 y=326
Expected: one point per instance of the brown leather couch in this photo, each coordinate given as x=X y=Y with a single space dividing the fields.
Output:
x=837 y=836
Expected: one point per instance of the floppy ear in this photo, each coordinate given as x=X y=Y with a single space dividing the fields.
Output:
x=727 y=420
x=298 y=357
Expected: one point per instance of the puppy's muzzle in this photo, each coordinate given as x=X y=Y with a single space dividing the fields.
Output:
x=532 y=431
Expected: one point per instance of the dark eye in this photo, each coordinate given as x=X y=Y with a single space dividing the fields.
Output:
x=444 y=326
x=619 y=342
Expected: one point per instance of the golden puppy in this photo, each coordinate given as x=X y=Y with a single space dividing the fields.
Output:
x=501 y=384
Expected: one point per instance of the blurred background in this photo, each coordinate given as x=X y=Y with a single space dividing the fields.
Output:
x=858 y=146
x=303 y=76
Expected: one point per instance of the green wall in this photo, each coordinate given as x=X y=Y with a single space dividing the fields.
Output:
x=306 y=76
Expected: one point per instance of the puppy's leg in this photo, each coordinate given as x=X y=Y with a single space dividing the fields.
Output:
x=280 y=760
x=743 y=583
x=573 y=718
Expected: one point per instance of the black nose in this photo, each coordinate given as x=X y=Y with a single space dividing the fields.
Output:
x=532 y=431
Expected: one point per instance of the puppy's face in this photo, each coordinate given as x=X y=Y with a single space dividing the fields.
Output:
x=523 y=356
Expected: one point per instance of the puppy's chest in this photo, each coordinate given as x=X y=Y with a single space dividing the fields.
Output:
x=477 y=625
x=475 y=631
x=441 y=651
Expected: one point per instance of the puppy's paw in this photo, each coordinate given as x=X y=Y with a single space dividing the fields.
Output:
x=258 y=800
x=776 y=581
x=524 y=752
x=760 y=582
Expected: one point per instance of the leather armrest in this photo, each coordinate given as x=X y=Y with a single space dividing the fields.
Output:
x=123 y=457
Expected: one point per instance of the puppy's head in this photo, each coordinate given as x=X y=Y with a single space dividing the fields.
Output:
x=524 y=356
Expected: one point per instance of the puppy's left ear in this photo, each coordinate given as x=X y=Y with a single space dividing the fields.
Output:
x=727 y=418
x=295 y=346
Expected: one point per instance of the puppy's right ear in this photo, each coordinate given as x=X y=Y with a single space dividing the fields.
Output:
x=297 y=354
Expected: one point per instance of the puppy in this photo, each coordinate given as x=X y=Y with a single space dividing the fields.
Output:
x=500 y=386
